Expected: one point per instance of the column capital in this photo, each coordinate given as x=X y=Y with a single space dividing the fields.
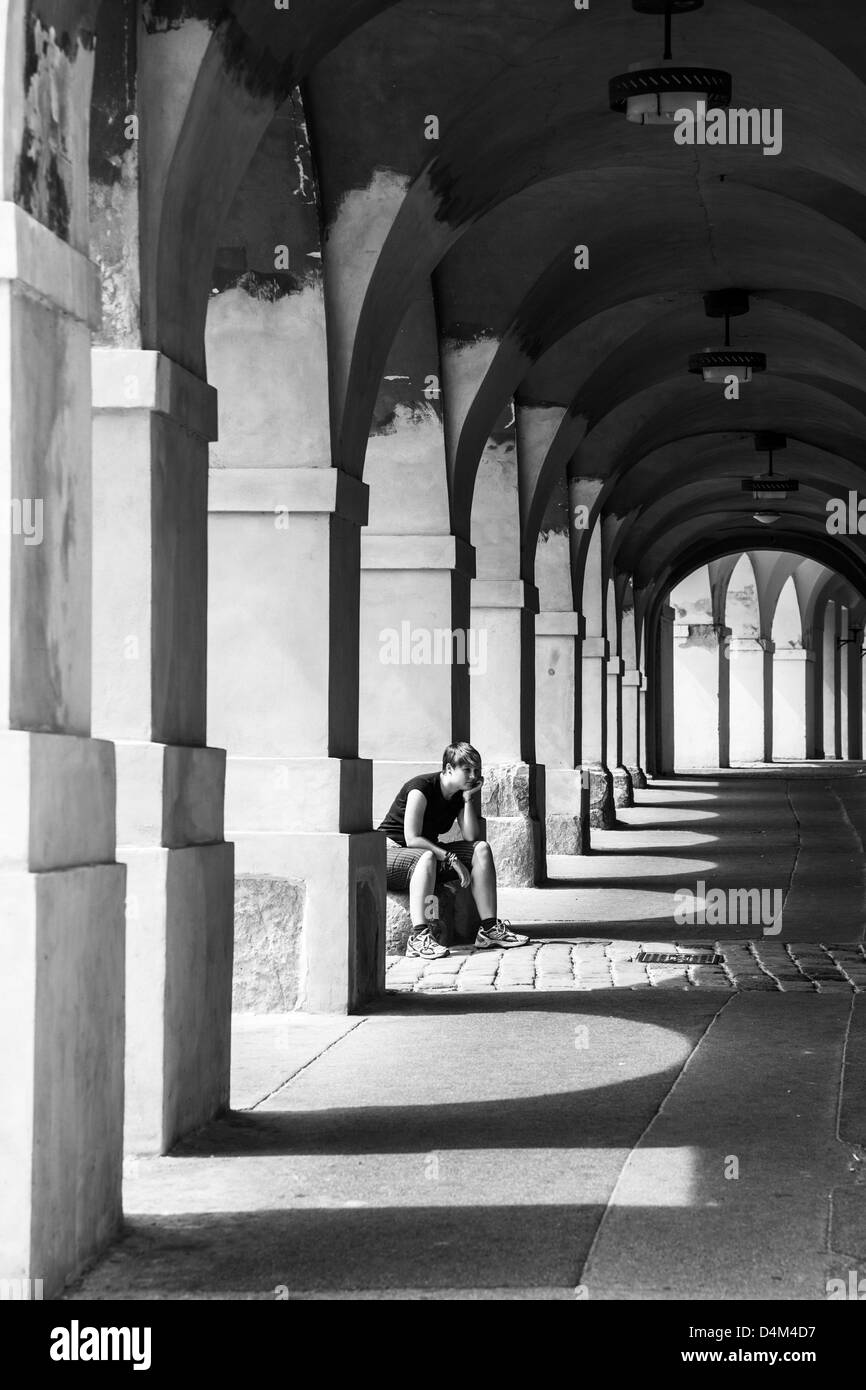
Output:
x=46 y=268
x=686 y=630
x=751 y=644
x=566 y=624
x=396 y=552
x=269 y=490
x=595 y=646
x=793 y=654
x=504 y=593
x=136 y=379
x=636 y=678
x=615 y=666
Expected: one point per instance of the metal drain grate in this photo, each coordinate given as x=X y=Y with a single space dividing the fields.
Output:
x=679 y=958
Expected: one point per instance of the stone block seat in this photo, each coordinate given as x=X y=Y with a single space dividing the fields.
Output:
x=457 y=913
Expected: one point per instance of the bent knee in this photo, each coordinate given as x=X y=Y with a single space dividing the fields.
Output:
x=425 y=861
x=482 y=850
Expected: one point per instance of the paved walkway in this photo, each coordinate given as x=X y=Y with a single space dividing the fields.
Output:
x=558 y=1126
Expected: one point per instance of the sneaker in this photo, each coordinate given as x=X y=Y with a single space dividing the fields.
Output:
x=425 y=945
x=501 y=935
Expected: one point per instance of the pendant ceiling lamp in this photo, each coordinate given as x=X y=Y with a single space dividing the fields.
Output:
x=651 y=95
x=768 y=487
x=717 y=364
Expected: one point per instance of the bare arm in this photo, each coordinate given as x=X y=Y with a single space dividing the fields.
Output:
x=413 y=821
x=468 y=819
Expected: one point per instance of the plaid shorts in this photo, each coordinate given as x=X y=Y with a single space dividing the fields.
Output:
x=401 y=864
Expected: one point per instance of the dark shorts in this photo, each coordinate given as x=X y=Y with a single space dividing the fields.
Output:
x=401 y=864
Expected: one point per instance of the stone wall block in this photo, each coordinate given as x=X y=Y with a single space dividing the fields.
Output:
x=269 y=920
x=602 y=811
x=457 y=913
x=623 y=789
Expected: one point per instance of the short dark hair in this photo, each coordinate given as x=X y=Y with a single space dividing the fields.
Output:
x=461 y=755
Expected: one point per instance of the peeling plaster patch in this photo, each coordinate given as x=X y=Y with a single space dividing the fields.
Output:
x=399 y=401
x=114 y=248
x=261 y=72
x=268 y=360
x=741 y=611
x=553 y=572
x=464 y=367
x=270 y=238
x=43 y=171
x=160 y=15
x=701 y=608
x=267 y=285
x=556 y=519
x=495 y=513
x=358 y=232
x=405 y=469
x=353 y=244
x=113 y=98
x=306 y=189
x=701 y=635
x=467 y=335
x=405 y=416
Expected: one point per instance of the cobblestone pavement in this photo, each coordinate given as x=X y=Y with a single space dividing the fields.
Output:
x=592 y=965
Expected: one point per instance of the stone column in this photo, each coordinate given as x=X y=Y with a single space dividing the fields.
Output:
x=769 y=652
x=838 y=687
x=595 y=652
x=557 y=645
x=814 y=696
x=283 y=678
x=152 y=422
x=843 y=692
x=702 y=695
x=663 y=695
x=748 y=658
x=633 y=692
x=61 y=891
x=419 y=655
x=503 y=729
x=855 y=697
x=638 y=775
x=623 y=792
x=594 y=659
x=828 y=685
x=790 y=678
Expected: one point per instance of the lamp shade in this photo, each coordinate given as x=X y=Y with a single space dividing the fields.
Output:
x=653 y=95
x=720 y=363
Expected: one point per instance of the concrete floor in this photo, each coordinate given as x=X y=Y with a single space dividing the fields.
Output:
x=603 y=1144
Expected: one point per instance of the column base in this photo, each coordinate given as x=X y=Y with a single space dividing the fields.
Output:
x=513 y=805
x=61 y=1069
x=178 y=986
x=638 y=779
x=309 y=922
x=567 y=820
x=602 y=812
x=623 y=790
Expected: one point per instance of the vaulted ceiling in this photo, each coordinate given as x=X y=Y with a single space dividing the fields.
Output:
x=480 y=226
